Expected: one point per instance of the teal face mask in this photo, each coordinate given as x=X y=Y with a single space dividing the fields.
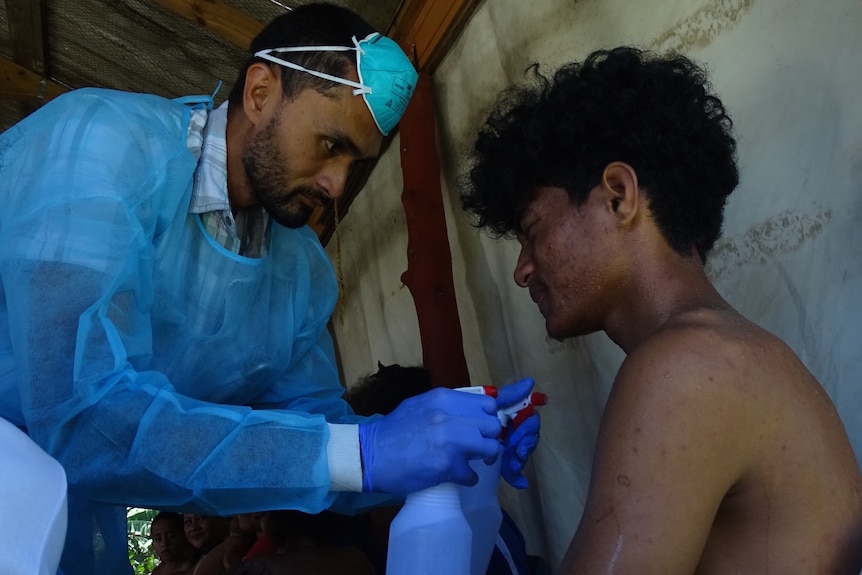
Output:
x=387 y=79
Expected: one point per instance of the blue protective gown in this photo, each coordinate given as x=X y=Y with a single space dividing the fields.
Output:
x=161 y=370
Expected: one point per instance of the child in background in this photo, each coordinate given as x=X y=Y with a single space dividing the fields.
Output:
x=252 y=523
x=177 y=556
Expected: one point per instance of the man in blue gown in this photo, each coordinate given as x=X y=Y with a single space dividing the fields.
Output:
x=165 y=306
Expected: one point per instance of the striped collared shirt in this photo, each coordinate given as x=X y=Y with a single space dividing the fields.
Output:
x=247 y=234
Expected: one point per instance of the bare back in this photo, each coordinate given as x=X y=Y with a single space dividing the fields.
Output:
x=719 y=453
x=797 y=504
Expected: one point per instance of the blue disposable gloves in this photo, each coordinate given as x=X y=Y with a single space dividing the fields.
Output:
x=430 y=438
x=521 y=435
x=427 y=440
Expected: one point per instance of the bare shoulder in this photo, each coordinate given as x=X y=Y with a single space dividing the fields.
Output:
x=715 y=424
x=691 y=395
x=740 y=390
x=672 y=443
x=697 y=369
x=718 y=359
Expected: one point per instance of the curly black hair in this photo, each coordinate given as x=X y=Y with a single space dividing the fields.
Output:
x=654 y=113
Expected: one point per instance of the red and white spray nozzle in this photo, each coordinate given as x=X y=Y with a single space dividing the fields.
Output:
x=488 y=390
x=515 y=413
x=525 y=408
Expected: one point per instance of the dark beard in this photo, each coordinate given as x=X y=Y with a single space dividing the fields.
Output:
x=265 y=167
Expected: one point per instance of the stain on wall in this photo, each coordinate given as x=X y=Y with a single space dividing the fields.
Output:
x=782 y=233
x=702 y=27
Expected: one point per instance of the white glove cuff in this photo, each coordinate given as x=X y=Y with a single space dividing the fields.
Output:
x=342 y=454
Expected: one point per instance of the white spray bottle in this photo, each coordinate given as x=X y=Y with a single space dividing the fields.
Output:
x=451 y=529
x=480 y=503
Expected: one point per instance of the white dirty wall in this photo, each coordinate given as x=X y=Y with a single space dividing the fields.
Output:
x=790 y=72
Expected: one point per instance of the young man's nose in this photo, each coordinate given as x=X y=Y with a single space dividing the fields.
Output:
x=523 y=269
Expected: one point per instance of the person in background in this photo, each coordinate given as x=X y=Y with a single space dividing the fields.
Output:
x=237 y=544
x=308 y=543
x=204 y=532
x=176 y=554
x=219 y=541
x=252 y=523
x=321 y=544
x=166 y=305
x=718 y=451
x=384 y=390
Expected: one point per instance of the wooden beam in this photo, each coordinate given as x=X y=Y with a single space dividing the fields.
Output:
x=20 y=83
x=29 y=44
x=218 y=17
x=427 y=28
x=429 y=275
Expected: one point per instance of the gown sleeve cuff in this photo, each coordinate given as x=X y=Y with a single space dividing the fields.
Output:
x=342 y=454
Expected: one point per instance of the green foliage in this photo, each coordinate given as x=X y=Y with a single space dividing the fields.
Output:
x=140 y=545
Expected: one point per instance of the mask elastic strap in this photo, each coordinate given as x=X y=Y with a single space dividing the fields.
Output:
x=357 y=87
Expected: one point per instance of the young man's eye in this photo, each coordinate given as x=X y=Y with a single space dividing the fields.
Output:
x=528 y=231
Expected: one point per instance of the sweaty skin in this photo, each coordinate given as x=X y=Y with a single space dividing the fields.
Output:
x=718 y=452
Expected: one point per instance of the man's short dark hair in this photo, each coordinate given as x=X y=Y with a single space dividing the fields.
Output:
x=318 y=24
x=655 y=113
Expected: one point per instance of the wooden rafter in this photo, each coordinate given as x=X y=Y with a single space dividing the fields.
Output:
x=218 y=17
x=25 y=76
x=20 y=83
x=28 y=35
x=428 y=25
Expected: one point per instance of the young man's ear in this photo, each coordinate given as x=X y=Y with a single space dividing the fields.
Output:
x=261 y=84
x=620 y=182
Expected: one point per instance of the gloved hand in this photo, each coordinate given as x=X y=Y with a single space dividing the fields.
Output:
x=427 y=440
x=520 y=437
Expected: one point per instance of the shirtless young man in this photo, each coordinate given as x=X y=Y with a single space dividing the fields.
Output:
x=718 y=451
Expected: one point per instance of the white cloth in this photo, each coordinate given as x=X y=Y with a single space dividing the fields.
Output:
x=32 y=506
